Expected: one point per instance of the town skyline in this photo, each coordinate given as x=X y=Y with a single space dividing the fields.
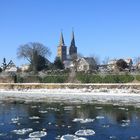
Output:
x=104 y=29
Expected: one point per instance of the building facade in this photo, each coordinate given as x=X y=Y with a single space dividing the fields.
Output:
x=62 y=49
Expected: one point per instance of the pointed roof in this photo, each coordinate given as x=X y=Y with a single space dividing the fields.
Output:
x=61 y=43
x=73 y=40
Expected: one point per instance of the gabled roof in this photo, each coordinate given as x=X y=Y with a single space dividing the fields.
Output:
x=89 y=60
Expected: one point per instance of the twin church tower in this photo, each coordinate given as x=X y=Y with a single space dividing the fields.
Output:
x=62 y=48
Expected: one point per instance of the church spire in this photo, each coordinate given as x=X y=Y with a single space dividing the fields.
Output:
x=73 y=40
x=61 y=43
x=72 y=48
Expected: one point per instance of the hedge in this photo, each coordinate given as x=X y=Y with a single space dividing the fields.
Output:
x=87 y=78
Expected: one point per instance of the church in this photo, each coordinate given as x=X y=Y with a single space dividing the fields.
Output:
x=62 y=49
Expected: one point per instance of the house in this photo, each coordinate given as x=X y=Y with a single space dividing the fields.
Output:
x=138 y=66
x=112 y=64
x=25 y=67
x=86 y=64
x=129 y=63
x=68 y=64
x=10 y=67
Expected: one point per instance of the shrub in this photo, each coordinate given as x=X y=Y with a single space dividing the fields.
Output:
x=138 y=77
x=111 y=79
x=28 y=79
x=86 y=78
x=125 y=78
x=54 y=79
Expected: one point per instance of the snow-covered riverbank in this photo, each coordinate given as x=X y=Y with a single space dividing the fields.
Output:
x=102 y=95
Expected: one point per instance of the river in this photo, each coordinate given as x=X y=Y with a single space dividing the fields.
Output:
x=50 y=121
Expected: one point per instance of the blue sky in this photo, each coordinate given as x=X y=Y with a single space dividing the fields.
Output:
x=102 y=27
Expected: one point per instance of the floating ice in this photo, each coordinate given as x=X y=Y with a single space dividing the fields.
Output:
x=105 y=125
x=37 y=134
x=122 y=108
x=33 y=139
x=98 y=107
x=68 y=137
x=54 y=109
x=77 y=119
x=1 y=123
x=124 y=124
x=33 y=106
x=87 y=120
x=113 y=137
x=100 y=117
x=68 y=108
x=34 y=118
x=36 y=122
x=126 y=121
x=58 y=137
x=78 y=106
x=86 y=132
x=43 y=111
x=80 y=138
x=3 y=134
x=15 y=120
x=134 y=138
x=22 y=131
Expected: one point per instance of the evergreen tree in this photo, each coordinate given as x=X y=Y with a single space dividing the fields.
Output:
x=58 y=64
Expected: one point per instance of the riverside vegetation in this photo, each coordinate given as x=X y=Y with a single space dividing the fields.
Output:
x=80 y=77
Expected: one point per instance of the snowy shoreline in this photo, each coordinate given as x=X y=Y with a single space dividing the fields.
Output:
x=73 y=96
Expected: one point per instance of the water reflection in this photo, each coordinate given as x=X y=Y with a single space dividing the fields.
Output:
x=53 y=121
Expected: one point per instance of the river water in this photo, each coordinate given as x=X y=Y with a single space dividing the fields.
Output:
x=45 y=121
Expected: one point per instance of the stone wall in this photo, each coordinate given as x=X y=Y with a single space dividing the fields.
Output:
x=18 y=86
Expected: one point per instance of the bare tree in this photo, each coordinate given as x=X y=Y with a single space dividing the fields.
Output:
x=96 y=58
x=136 y=60
x=106 y=60
x=32 y=52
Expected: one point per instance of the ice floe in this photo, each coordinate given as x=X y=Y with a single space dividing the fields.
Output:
x=43 y=111
x=68 y=137
x=126 y=121
x=123 y=108
x=68 y=108
x=22 y=131
x=113 y=137
x=86 y=132
x=134 y=138
x=105 y=125
x=33 y=106
x=33 y=139
x=81 y=120
x=100 y=117
x=98 y=107
x=71 y=137
x=37 y=134
x=125 y=124
x=15 y=120
x=34 y=118
x=3 y=134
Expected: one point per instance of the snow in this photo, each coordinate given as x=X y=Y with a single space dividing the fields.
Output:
x=105 y=96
